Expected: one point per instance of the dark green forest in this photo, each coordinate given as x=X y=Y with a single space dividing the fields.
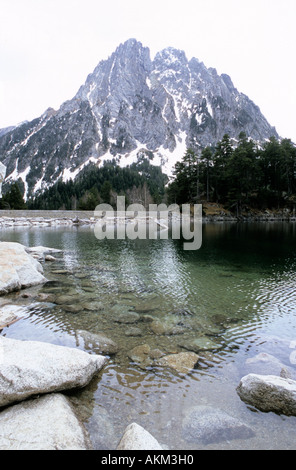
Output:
x=237 y=174
x=140 y=183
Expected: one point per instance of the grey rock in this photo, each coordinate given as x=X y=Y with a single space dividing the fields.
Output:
x=41 y=250
x=46 y=423
x=208 y=425
x=18 y=269
x=101 y=429
x=141 y=354
x=269 y=393
x=182 y=362
x=10 y=313
x=133 y=331
x=77 y=308
x=202 y=343
x=267 y=364
x=96 y=342
x=128 y=317
x=137 y=438
x=29 y=367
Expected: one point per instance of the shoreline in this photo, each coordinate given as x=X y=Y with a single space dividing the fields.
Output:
x=29 y=218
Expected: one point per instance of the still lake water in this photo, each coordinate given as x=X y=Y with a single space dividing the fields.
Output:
x=238 y=292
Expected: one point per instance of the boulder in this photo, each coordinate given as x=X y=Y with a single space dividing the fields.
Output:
x=208 y=425
x=46 y=423
x=29 y=367
x=18 y=269
x=269 y=393
x=137 y=438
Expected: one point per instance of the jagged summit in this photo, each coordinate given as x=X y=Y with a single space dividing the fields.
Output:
x=131 y=105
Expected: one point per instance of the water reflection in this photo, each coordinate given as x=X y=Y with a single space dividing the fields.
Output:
x=228 y=301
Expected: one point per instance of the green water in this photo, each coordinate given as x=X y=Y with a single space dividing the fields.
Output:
x=238 y=292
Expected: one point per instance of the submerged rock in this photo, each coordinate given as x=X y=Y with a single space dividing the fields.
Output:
x=267 y=364
x=133 y=331
x=182 y=362
x=144 y=356
x=18 y=269
x=28 y=368
x=141 y=355
x=128 y=317
x=269 y=393
x=10 y=314
x=167 y=327
x=46 y=423
x=137 y=438
x=96 y=342
x=202 y=343
x=103 y=434
x=42 y=252
x=208 y=425
x=66 y=299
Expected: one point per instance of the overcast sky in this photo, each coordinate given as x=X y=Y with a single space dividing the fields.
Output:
x=48 y=47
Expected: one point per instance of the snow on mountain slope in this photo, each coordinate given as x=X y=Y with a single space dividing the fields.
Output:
x=131 y=104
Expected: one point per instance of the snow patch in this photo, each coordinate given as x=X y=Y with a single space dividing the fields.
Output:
x=68 y=174
x=14 y=175
x=23 y=177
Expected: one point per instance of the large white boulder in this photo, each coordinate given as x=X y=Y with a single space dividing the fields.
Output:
x=269 y=393
x=46 y=423
x=30 y=367
x=137 y=438
x=18 y=269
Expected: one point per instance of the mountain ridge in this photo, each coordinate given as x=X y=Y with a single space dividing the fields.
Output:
x=131 y=106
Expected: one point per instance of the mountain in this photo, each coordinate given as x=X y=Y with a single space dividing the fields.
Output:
x=131 y=106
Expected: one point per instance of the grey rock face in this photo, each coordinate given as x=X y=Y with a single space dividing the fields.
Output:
x=129 y=106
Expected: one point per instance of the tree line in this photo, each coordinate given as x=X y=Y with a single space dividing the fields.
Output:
x=140 y=183
x=238 y=174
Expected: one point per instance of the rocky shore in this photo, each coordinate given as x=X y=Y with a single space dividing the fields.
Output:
x=213 y=213
x=35 y=413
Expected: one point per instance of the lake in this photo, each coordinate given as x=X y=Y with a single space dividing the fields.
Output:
x=229 y=301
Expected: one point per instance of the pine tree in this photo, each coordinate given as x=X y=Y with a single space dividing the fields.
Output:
x=14 y=198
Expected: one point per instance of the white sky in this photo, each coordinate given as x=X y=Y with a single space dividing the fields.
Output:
x=48 y=47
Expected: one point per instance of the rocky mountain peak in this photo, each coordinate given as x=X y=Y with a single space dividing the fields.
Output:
x=128 y=105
